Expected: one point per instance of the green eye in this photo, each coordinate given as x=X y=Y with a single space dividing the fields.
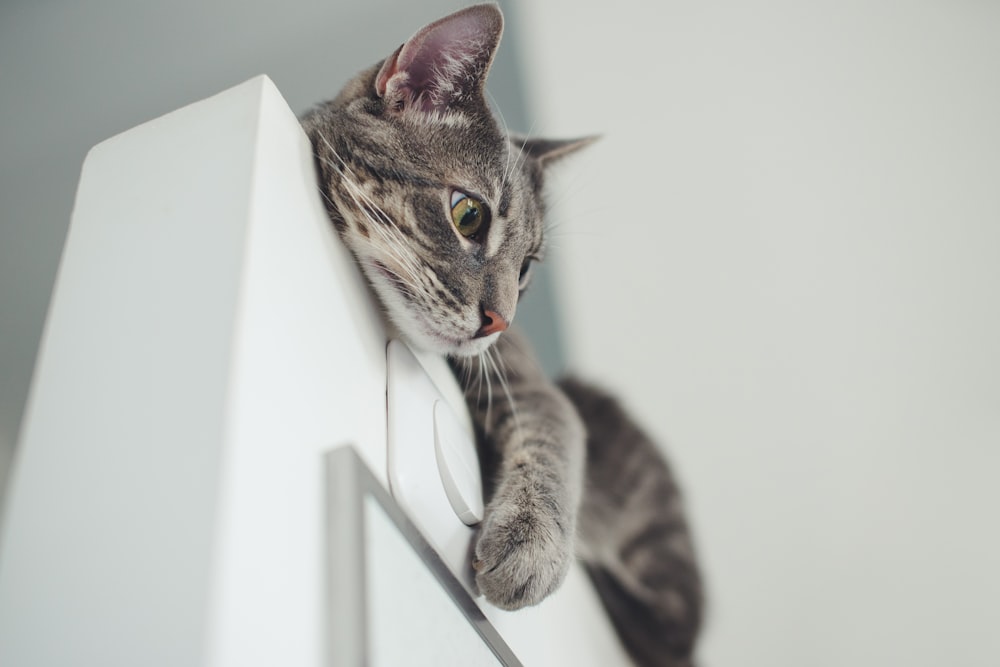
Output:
x=468 y=214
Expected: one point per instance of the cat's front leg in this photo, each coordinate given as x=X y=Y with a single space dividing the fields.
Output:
x=532 y=443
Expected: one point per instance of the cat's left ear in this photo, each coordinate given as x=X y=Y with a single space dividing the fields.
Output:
x=444 y=64
x=547 y=151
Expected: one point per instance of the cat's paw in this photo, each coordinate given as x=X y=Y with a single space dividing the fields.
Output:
x=522 y=553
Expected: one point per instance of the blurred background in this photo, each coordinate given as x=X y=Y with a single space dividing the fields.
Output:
x=784 y=255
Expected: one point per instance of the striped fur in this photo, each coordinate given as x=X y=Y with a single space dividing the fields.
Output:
x=567 y=474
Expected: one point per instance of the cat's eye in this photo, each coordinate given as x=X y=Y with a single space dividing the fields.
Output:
x=469 y=215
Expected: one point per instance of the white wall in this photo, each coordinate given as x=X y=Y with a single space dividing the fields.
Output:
x=785 y=254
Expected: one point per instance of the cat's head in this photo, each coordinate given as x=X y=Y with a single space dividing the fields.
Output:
x=441 y=209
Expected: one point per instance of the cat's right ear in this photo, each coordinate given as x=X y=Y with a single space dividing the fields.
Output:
x=444 y=64
x=547 y=151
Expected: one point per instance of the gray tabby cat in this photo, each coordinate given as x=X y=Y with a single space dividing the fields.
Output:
x=443 y=212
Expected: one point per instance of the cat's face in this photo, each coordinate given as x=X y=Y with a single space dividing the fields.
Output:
x=440 y=208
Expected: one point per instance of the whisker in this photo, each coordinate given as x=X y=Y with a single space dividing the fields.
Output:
x=466 y=371
x=505 y=385
x=506 y=133
x=346 y=167
x=485 y=373
x=391 y=246
x=521 y=154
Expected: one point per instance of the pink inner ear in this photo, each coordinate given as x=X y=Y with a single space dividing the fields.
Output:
x=445 y=59
x=462 y=36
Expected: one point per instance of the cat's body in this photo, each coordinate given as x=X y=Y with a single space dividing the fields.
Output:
x=443 y=212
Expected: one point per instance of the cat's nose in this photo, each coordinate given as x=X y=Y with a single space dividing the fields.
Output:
x=492 y=323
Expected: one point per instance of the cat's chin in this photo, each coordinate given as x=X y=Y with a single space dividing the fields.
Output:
x=450 y=347
x=473 y=347
x=434 y=343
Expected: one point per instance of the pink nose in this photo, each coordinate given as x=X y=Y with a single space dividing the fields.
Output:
x=492 y=323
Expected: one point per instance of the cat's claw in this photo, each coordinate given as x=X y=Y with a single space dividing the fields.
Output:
x=521 y=555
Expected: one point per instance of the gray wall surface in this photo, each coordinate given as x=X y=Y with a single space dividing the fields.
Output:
x=784 y=255
x=73 y=74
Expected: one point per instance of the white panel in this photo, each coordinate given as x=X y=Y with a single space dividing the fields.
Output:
x=567 y=629
x=112 y=511
x=412 y=620
x=208 y=339
x=413 y=465
x=308 y=373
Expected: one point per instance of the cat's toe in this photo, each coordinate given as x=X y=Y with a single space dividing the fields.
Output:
x=520 y=559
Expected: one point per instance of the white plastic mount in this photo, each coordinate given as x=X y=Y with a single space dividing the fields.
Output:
x=432 y=462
